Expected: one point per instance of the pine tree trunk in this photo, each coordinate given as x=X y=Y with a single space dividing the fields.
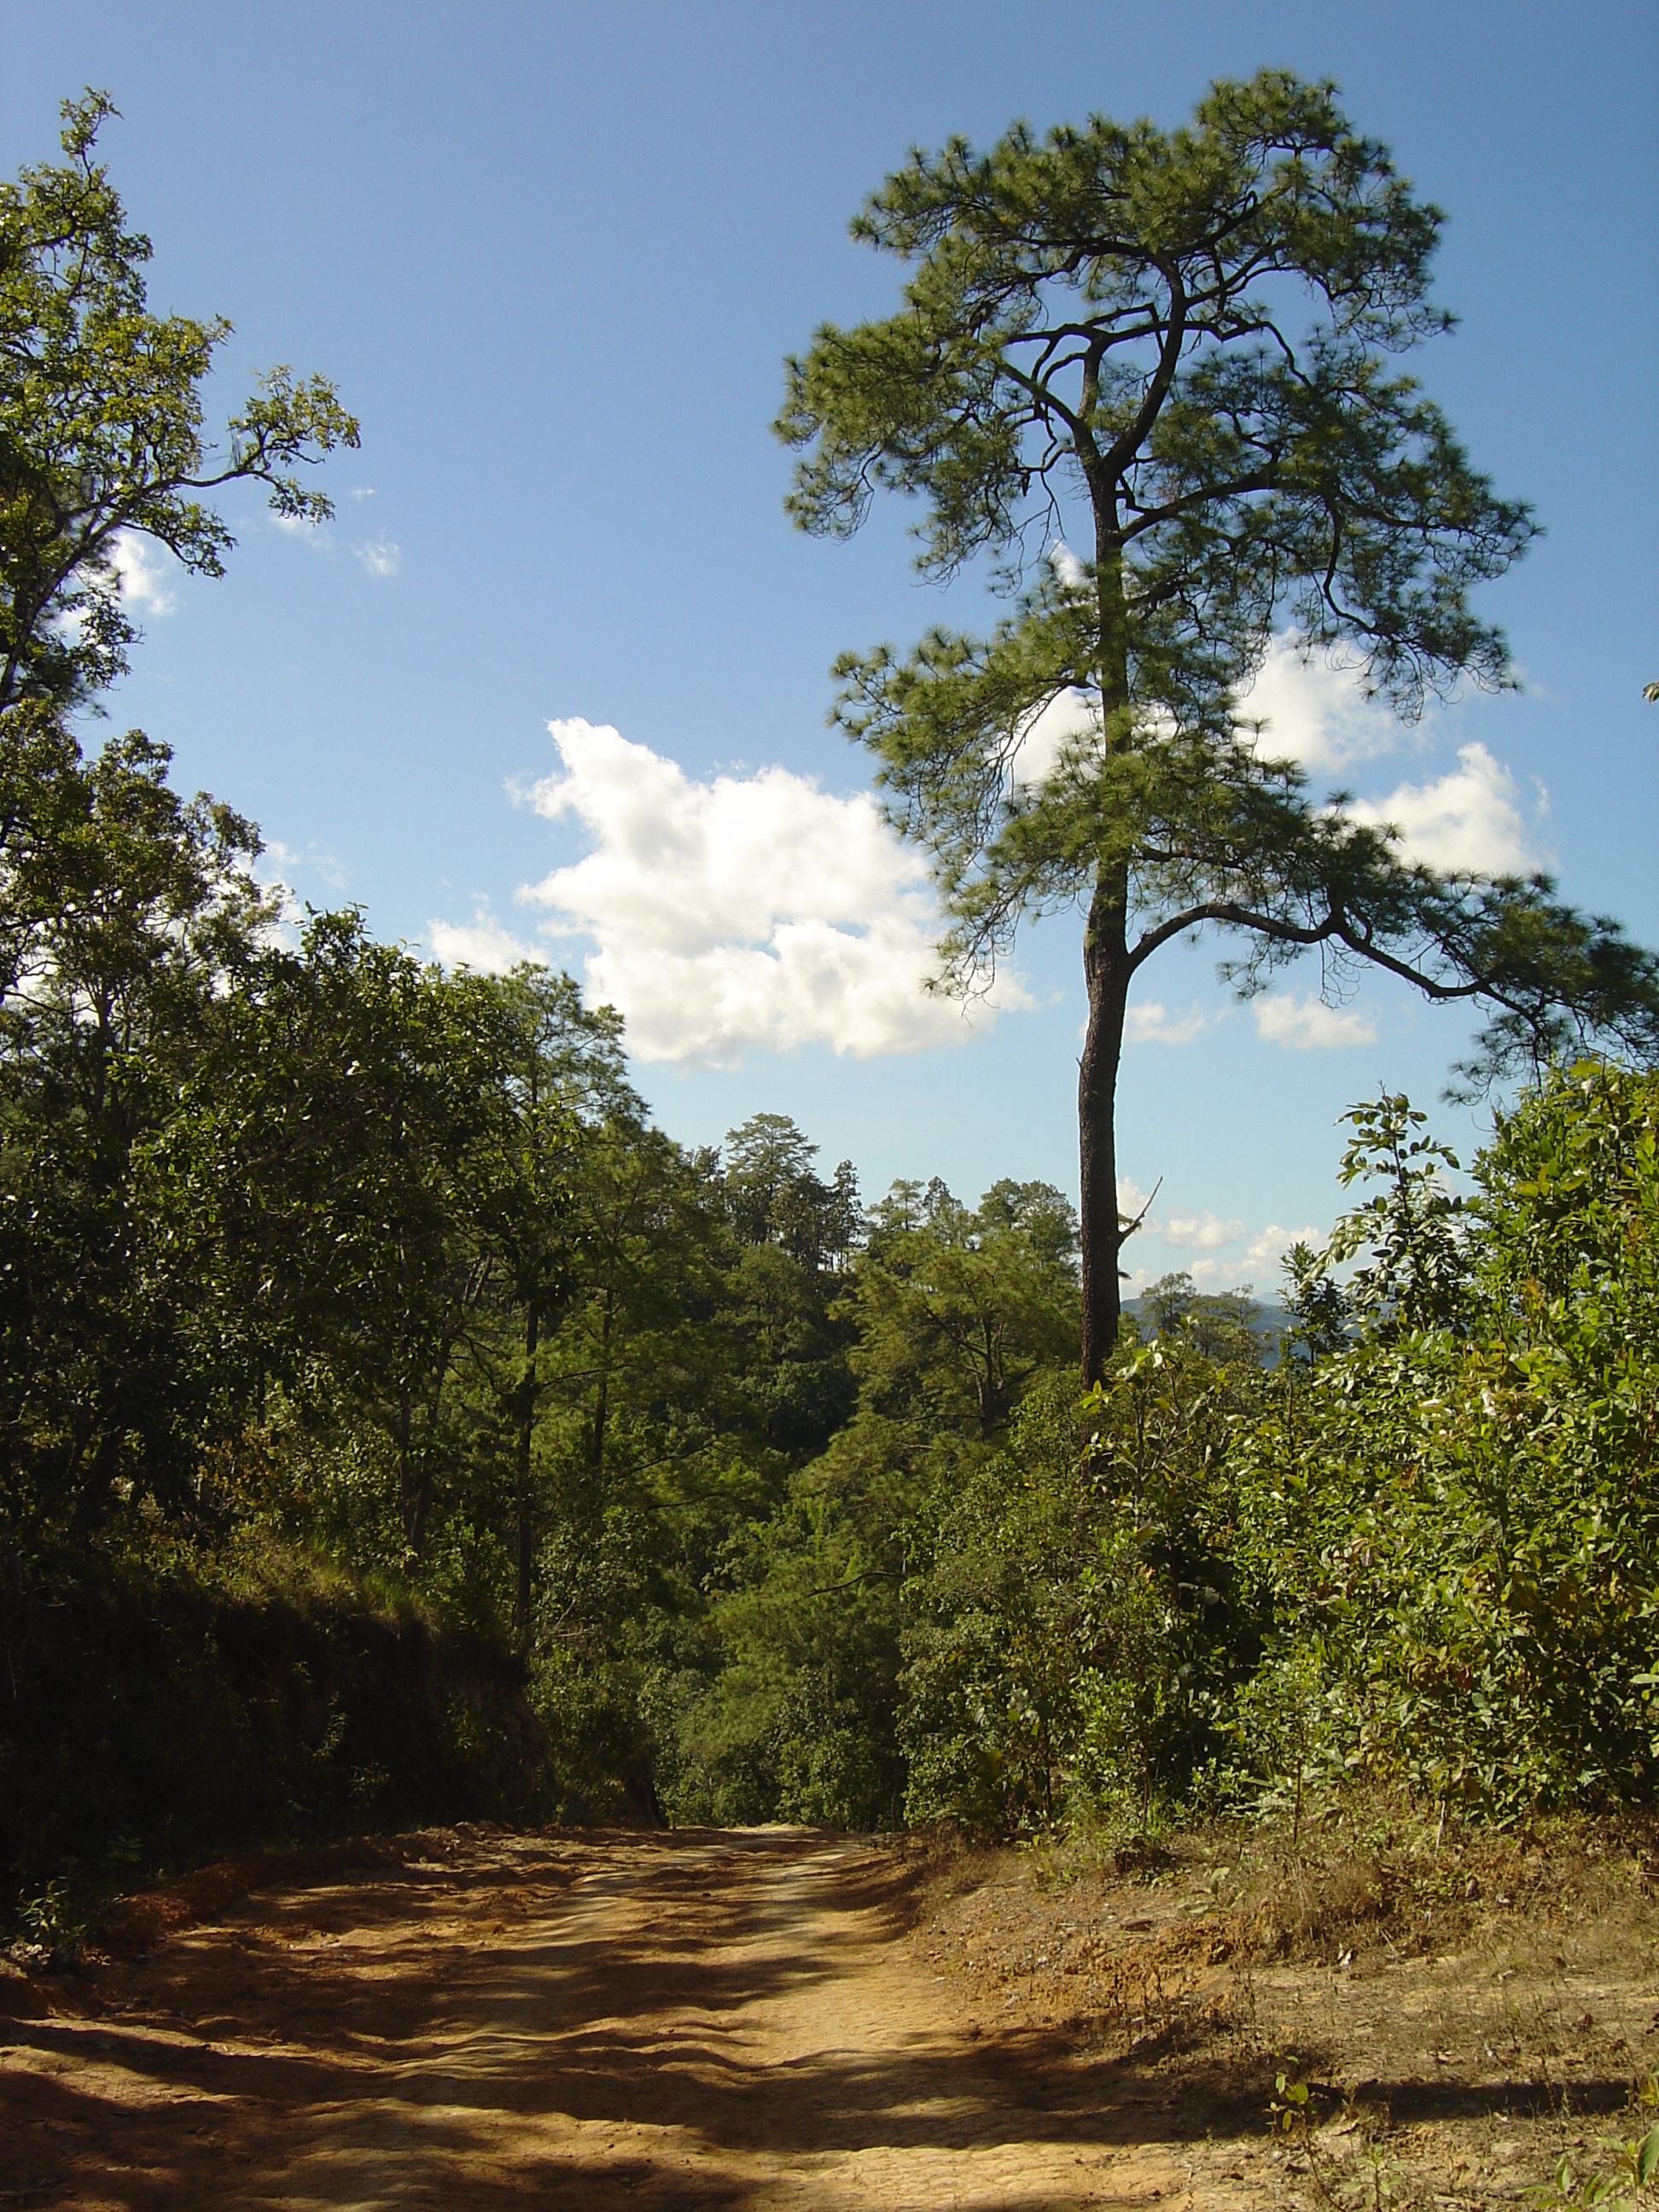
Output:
x=1106 y=972
x=1106 y=967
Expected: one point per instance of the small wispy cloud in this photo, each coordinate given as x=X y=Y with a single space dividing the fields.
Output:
x=380 y=556
x=1070 y=571
x=361 y=491
x=300 y=525
x=316 y=861
x=1307 y=1025
x=1131 y=1198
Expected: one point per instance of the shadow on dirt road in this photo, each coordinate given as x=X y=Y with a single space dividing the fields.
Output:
x=700 y=2018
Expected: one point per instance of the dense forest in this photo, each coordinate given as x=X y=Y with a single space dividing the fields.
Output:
x=395 y=1422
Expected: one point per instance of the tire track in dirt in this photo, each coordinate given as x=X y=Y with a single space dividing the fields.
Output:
x=708 y=2018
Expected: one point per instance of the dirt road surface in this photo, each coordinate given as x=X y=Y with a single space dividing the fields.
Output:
x=704 y=2018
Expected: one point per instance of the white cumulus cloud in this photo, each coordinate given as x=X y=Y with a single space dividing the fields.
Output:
x=1468 y=820
x=1153 y=1024
x=1203 y=1232
x=484 y=943
x=1267 y=1249
x=1068 y=716
x=142 y=571
x=1316 y=715
x=749 y=910
x=1208 y=1274
x=1307 y=1025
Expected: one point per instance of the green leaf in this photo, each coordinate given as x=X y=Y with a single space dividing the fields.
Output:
x=1647 y=2156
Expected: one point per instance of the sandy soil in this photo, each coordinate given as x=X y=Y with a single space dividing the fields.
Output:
x=769 y=2017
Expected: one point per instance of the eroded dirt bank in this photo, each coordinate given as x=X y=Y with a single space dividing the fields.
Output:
x=765 y=2018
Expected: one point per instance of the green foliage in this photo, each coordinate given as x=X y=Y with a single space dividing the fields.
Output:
x=1424 y=1544
x=1001 y=1623
x=1619 y=2179
x=952 y=1315
x=957 y=1309
x=796 y=1236
x=1463 y=1518
x=1416 y=1274
x=1078 y=1626
x=100 y=426
x=129 y=911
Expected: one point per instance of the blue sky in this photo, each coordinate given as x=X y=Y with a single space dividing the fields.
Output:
x=553 y=257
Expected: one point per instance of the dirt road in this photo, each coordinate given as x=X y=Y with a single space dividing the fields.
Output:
x=720 y=2018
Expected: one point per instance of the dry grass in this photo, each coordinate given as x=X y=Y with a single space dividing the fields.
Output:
x=1460 y=2007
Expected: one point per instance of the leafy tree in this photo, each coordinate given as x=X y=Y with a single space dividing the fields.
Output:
x=344 y=1163
x=1074 y=1625
x=564 y=1067
x=1416 y=1274
x=101 y=425
x=1001 y=1627
x=127 y=915
x=1177 y=343
x=773 y=1197
x=958 y=1309
x=1567 y=1207
x=955 y=1316
x=1453 y=1518
x=795 y=1238
x=635 y=1371
x=1318 y=1310
x=1221 y=1325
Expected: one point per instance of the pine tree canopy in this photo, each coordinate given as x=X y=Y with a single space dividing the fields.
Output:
x=1178 y=349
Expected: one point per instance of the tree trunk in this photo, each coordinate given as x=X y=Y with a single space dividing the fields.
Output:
x=602 y=1394
x=1106 y=972
x=1106 y=969
x=407 y=1498
x=526 y=1529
